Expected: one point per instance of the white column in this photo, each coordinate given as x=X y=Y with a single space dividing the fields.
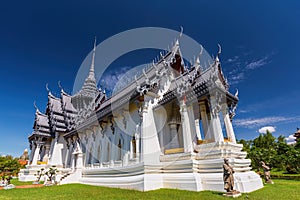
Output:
x=33 y=147
x=79 y=157
x=126 y=154
x=131 y=148
x=56 y=157
x=194 y=124
x=174 y=141
x=215 y=123
x=47 y=150
x=111 y=153
x=95 y=147
x=150 y=148
x=137 y=141
x=197 y=127
x=36 y=153
x=72 y=151
x=228 y=124
x=86 y=151
x=186 y=128
x=204 y=119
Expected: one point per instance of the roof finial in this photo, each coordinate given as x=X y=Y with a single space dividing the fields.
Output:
x=219 y=52
x=92 y=69
x=36 y=108
x=201 y=51
x=181 y=31
x=198 y=57
x=236 y=93
x=59 y=85
x=47 y=88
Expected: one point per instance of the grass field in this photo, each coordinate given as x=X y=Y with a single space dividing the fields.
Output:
x=282 y=189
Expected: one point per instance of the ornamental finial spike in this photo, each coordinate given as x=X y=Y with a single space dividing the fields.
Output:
x=59 y=85
x=201 y=51
x=181 y=31
x=236 y=93
x=220 y=50
x=95 y=43
x=36 y=108
x=92 y=69
x=47 y=88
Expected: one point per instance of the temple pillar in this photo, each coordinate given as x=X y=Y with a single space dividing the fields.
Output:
x=150 y=148
x=32 y=148
x=47 y=150
x=36 y=153
x=131 y=148
x=174 y=141
x=138 y=144
x=204 y=118
x=197 y=129
x=126 y=154
x=56 y=157
x=111 y=154
x=186 y=128
x=95 y=148
x=228 y=124
x=215 y=123
x=72 y=151
x=79 y=158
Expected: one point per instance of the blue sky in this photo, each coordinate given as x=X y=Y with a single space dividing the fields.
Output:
x=46 y=42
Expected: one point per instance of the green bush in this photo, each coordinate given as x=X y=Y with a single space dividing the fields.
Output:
x=275 y=152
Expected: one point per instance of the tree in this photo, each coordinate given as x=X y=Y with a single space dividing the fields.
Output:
x=275 y=152
x=9 y=165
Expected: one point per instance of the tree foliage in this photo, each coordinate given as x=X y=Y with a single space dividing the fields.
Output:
x=274 y=151
x=9 y=165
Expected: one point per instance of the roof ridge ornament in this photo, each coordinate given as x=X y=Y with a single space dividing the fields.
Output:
x=35 y=106
x=48 y=90
x=236 y=93
x=61 y=88
x=181 y=31
x=219 y=53
x=92 y=69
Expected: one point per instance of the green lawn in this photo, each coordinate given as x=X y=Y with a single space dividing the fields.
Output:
x=17 y=183
x=282 y=189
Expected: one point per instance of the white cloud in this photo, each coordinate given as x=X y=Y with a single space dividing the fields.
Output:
x=239 y=76
x=258 y=63
x=264 y=129
x=240 y=65
x=291 y=139
x=111 y=78
x=235 y=58
x=259 y=122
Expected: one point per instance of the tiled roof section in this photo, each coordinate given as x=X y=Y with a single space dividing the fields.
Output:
x=54 y=103
x=55 y=114
x=41 y=125
x=66 y=103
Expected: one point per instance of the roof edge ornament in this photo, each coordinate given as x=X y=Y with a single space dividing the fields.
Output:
x=219 y=53
x=35 y=106
x=199 y=55
x=181 y=31
x=48 y=90
x=236 y=93
x=61 y=88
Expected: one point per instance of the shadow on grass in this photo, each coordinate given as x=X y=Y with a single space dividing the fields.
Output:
x=217 y=193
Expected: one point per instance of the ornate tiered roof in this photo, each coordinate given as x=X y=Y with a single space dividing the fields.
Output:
x=66 y=113
x=41 y=125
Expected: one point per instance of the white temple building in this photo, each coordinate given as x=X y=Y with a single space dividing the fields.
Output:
x=171 y=127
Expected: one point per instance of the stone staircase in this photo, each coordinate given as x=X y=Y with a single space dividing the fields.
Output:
x=64 y=176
